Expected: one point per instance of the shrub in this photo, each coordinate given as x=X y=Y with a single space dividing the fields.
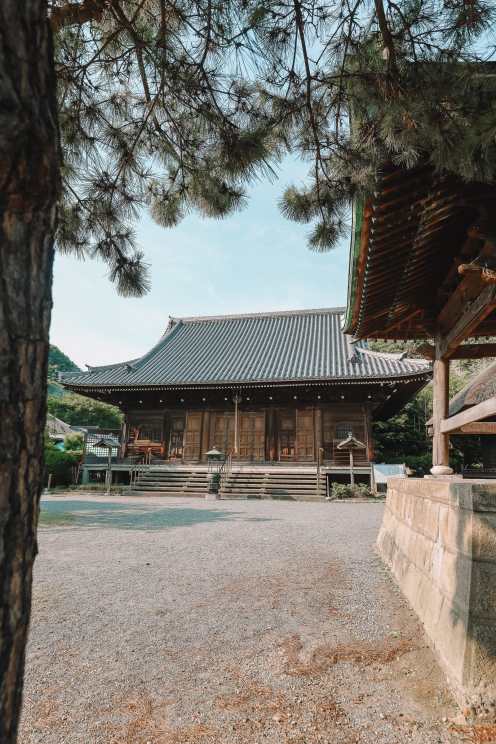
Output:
x=347 y=491
x=60 y=464
x=74 y=443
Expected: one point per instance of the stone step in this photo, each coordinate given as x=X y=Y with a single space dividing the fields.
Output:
x=237 y=485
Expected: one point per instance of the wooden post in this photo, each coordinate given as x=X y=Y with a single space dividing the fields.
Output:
x=270 y=428
x=205 y=436
x=318 y=433
x=109 y=471
x=124 y=435
x=237 y=400
x=440 y=401
x=352 y=473
x=369 y=441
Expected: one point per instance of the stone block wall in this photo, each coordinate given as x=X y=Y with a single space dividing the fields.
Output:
x=438 y=537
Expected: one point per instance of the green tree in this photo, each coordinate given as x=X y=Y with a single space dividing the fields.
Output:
x=79 y=411
x=403 y=438
x=174 y=105
x=355 y=86
x=60 y=464
x=74 y=443
x=108 y=107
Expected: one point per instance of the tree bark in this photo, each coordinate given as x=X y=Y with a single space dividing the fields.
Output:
x=29 y=184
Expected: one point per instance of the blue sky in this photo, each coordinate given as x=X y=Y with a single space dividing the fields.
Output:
x=253 y=261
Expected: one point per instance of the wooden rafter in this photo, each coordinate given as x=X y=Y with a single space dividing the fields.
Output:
x=404 y=321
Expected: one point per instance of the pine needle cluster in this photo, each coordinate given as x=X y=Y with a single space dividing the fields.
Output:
x=175 y=105
x=154 y=115
x=354 y=87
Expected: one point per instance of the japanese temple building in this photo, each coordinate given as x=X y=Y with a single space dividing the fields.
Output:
x=281 y=388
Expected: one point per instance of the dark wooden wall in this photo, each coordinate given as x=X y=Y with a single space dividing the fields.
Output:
x=292 y=433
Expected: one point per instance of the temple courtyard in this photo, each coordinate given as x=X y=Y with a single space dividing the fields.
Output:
x=181 y=621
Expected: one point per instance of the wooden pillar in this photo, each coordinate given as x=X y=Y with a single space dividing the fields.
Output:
x=237 y=401
x=318 y=433
x=166 y=432
x=369 y=440
x=269 y=428
x=205 y=435
x=440 y=401
x=275 y=434
x=124 y=436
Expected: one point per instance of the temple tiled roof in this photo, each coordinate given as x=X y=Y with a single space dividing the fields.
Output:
x=294 y=346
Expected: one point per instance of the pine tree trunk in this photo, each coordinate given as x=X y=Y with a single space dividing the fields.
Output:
x=29 y=181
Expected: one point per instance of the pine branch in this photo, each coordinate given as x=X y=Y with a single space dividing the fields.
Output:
x=71 y=14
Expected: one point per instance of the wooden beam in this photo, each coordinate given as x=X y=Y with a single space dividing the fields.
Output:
x=440 y=399
x=473 y=309
x=477 y=427
x=465 y=351
x=475 y=413
x=475 y=351
x=467 y=290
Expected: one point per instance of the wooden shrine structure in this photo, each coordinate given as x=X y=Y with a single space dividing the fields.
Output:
x=281 y=388
x=423 y=266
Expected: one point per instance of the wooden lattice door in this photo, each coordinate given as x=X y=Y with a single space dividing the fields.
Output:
x=252 y=436
x=176 y=442
x=328 y=434
x=287 y=435
x=192 y=436
x=222 y=432
x=305 y=436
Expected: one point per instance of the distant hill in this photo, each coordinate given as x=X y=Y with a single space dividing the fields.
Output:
x=71 y=408
x=59 y=362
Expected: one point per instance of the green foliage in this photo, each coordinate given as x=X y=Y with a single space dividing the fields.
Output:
x=60 y=464
x=79 y=411
x=177 y=106
x=154 y=114
x=74 y=443
x=55 y=389
x=76 y=409
x=356 y=90
x=347 y=491
x=59 y=362
x=403 y=438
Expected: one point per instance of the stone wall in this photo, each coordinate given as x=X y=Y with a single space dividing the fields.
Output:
x=438 y=537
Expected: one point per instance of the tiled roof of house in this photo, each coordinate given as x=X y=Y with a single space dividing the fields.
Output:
x=294 y=346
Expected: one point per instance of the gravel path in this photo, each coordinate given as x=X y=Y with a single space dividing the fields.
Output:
x=177 y=621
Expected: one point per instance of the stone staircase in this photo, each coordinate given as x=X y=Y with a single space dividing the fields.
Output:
x=172 y=482
x=285 y=485
x=239 y=484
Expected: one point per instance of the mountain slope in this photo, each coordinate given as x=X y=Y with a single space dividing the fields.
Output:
x=71 y=408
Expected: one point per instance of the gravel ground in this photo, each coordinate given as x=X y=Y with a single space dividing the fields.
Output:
x=180 y=621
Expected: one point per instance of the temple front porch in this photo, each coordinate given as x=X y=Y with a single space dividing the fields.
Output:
x=243 y=480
